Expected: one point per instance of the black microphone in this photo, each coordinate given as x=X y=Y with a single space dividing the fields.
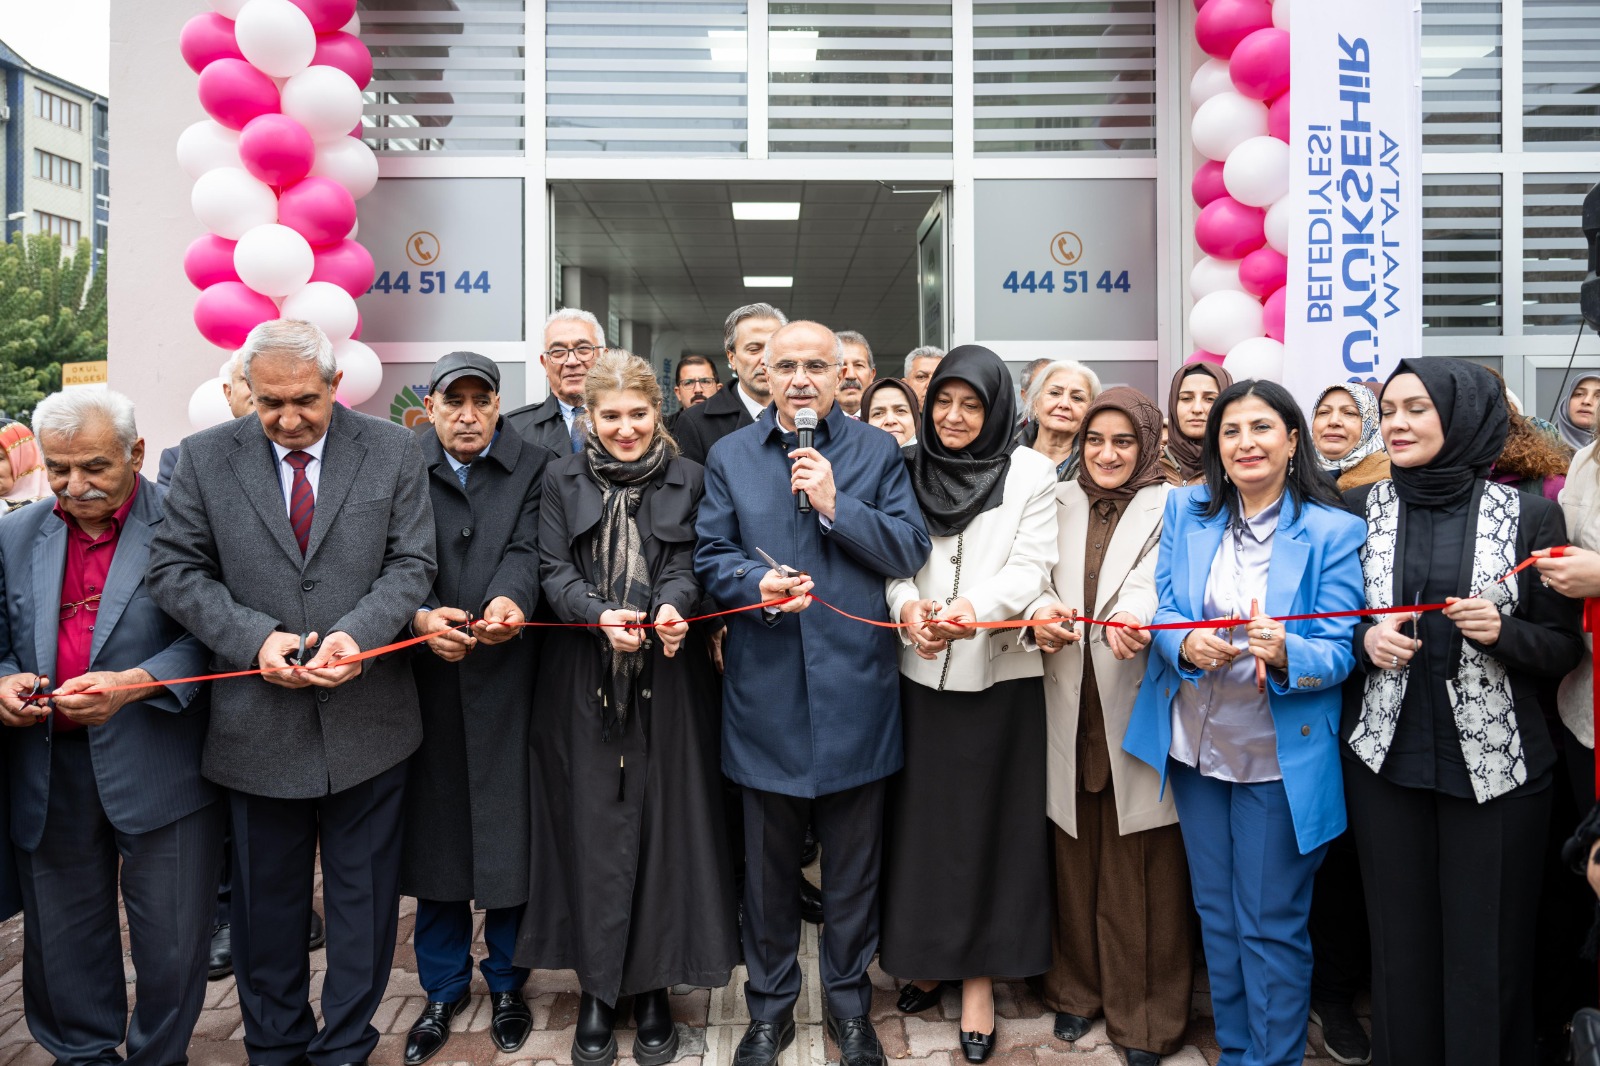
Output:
x=805 y=428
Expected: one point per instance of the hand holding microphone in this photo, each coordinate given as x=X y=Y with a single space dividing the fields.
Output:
x=811 y=477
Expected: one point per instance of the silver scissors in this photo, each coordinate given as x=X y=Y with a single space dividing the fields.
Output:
x=786 y=571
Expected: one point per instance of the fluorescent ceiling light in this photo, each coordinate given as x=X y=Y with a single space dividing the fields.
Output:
x=762 y=281
x=765 y=211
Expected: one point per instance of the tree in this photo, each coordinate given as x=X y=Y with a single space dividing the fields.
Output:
x=52 y=311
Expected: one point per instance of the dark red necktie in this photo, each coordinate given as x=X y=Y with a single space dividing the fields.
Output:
x=302 y=504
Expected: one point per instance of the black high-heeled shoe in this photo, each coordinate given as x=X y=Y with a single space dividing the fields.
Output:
x=914 y=1000
x=655 y=1038
x=595 y=1041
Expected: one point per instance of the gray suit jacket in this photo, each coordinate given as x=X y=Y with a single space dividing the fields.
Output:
x=147 y=756
x=226 y=565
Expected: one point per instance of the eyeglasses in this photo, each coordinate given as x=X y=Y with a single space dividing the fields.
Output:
x=689 y=383
x=70 y=610
x=813 y=367
x=583 y=353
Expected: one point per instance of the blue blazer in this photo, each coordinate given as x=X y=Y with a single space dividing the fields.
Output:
x=1314 y=569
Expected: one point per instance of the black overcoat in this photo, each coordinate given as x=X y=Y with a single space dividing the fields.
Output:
x=466 y=802
x=630 y=869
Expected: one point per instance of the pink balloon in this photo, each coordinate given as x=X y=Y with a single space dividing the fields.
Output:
x=1278 y=118
x=345 y=51
x=1263 y=272
x=1260 y=64
x=276 y=149
x=319 y=209
x=1227 y=229
x=326 y=15
x=233 y=92
x=1204 y=357
x=1273 y=314
x=1222 y=24
x=205 y=38
x=209 y=260
x=1207 y=184
x=226 y=312
x=346 y=264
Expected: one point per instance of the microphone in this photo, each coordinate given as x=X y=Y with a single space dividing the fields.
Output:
x=805 y=427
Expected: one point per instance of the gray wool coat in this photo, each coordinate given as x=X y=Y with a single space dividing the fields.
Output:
x=466 y=805
x=226 y=567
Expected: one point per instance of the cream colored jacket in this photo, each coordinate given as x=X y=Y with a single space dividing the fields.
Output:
x=1127 y=583
x=1580 y=505
x=1004 y=558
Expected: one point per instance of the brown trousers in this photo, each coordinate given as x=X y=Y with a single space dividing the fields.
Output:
x=1122 y=939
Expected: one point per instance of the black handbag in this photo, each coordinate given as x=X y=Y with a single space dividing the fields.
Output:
x=1586 y=1037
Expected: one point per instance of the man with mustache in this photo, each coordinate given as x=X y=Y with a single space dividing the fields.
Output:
x=573 y=340
x=697 y=382
x=856 y=373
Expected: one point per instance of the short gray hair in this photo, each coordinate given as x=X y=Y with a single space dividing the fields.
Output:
x=927 y=351
x=850 y=336
x=577 y=314
x=1042 y=379
x=289 y=336
x=730 y=326
x=67 y=413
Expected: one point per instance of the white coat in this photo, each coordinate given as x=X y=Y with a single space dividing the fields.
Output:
x=1580 y=505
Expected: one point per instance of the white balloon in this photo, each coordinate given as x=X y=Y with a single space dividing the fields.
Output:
x=207 y=145
x=355 y=228
x=207 y=406
x=348 y=162
x=353 y=27
x=1219 y=126
x=230 y=202
x=1277 y=224
x=276 y=37
x=1257 y=172
x=1210 y=78
x=1259 y=357
x=1214 y=275
x=1280 y=14
x=1223 y=319
x=324 y=100
x=362 y=370
x=227 y=8
x=273 y=260
x=326 y=306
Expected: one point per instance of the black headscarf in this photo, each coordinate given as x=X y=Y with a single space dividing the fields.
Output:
x=955 y=487
x=1472 y=410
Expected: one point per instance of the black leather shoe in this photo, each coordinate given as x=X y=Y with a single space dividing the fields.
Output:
x=977 y=1047
x=1136 y=1057
x=914 y=1000
x=319 y=932
x=763 y=1042
x=810 y=902
x=1070 y=1027
x=810 y=850
x=857 y=1040
x=220 y=964
x=655 y=1038
x=431 y=1029
x=511 y=1022
x=595 y=1041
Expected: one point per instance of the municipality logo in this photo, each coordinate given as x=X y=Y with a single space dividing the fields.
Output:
x=406 y=408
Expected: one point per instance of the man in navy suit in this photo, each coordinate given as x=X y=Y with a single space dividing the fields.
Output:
x=104 y=787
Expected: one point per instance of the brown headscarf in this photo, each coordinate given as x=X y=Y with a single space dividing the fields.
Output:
x=1146 y=419
x=1186 y=452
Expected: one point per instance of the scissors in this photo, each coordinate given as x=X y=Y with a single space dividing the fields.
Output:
x=37 y=696
x=786 y=571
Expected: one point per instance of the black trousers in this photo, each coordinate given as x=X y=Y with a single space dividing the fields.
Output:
x=1341 y=952
x=74 y=987
x=1452 y=891
x=275 y=854
x=849 y=825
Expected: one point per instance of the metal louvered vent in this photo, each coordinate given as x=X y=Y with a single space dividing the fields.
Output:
x=860 y=78
x=1462 y=247
x=631 y=78
x=1461 y=72
x=447 y=77
x=1561 y=75
x=1555 y=255
x=1065 y=77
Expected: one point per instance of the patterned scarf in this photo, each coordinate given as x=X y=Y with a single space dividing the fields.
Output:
x=1370 y=441
x=621 y=573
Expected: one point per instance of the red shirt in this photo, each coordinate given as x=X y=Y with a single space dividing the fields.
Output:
x=88 y=563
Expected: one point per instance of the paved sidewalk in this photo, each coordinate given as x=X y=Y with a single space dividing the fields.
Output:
x=711 y=1021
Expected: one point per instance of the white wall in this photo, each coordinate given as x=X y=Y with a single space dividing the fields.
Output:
x=156 y=356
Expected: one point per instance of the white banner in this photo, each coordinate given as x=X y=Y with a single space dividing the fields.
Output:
x=1353 y=307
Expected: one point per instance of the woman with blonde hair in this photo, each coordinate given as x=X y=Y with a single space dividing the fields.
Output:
x=629 y=858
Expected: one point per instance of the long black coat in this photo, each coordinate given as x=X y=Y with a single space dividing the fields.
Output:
x=466 y=803
x=632 y=891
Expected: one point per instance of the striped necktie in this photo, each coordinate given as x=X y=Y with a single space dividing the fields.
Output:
x=577 y=428
x=461 y=476
x=302 y=504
